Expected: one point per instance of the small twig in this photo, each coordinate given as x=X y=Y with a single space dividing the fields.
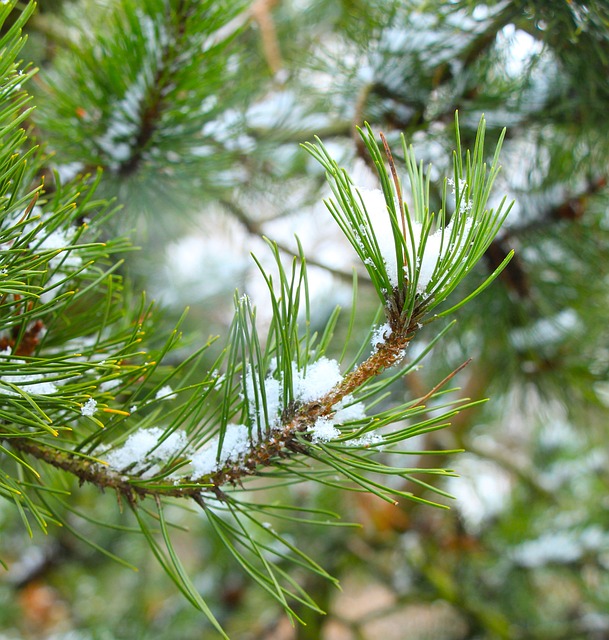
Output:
x=441 y=383
x=396 y=182
x=261 y=13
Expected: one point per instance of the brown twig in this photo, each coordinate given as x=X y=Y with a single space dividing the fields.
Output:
x=396 y=182
x=261 y=14
x=449 y=377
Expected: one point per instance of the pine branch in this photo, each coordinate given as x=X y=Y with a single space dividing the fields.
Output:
x=289 y=439
x=280 y=409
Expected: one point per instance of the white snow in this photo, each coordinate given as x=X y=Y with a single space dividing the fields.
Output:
x=519 y=48
x=138 y=449
x=348 y=411
x=323 y=430
x=236 y=444
x=165 y=393
x=271 y=399
x=318 y=379
x=32 y=384
x=310 y=385
x=380 y=334
x=437 y=245
x=366 y=440
x=89 y=408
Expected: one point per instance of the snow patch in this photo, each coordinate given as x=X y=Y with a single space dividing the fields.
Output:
x=437 y=247
x=89 y=408
x=141 y=448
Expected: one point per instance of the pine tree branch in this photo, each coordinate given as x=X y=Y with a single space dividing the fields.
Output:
x=155 y=103
x=289 y=439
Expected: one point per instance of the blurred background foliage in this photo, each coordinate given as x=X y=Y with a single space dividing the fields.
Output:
x=195 y=111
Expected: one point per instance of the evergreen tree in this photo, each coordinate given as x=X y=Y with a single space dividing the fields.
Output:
x=174 y=125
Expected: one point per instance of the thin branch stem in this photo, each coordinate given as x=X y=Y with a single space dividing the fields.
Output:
x=283 y=442
x=396 y=182
x=449 y=377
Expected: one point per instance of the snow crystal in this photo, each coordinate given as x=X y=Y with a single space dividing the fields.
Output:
x=138 y=449
x=380 y=334
x=318 y=380
x=354 y=410
x=323 y=430
x=464 y=205
x=235 y=445
x=172 y=445
x=165 y=393
x=89 y=408
x=366 y=440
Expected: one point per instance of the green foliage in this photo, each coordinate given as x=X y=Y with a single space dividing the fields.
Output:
x=137 y=100
x=472 y=226
x=81 y=394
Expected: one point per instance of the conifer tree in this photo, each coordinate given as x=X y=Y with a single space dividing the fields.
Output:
x=202 y=130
